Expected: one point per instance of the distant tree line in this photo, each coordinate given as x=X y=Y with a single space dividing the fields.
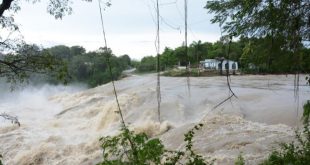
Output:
x=70 y=64
x=90 y=67
x=254 y=55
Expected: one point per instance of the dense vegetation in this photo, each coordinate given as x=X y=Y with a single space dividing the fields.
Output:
x=88 y=67
x=30 y=59
x=254 y=55
x=60 y=64
x=128 y=148
x=23 y=59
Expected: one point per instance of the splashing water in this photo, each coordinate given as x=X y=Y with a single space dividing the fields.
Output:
x=62 y=125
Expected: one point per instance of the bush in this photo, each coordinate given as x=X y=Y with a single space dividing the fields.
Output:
x=130 y=148
x=181 y=73
x=137 y=149
x=240 y=160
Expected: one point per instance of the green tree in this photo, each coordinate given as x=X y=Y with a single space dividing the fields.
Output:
x=283 y=20
x=28 y=59
x=217 y=50
x=126 y=61
x=147 y=64
x=77 y=50
x=14 y=67
x=168 y=58
x=61 y=51
x=181 y=55
x=198 y=50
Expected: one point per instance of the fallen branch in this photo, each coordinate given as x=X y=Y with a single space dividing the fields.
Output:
x=13 y=119
x=223 y=102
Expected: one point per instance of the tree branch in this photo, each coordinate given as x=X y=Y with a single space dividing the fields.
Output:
x=5 y=6
x=13 y=119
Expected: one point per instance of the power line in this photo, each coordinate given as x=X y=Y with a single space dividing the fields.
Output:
x=169 y=3
x=158 y=61
x=109 y=65
x=162 y=19
x=185 y=43
x=169 y=25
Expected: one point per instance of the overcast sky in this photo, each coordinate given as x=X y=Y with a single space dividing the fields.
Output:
x=130 y=25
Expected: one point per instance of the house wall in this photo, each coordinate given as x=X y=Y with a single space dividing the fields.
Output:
x=230 y=64
x=214 y=64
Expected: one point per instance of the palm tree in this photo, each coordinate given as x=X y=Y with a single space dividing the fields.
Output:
x=198 y=49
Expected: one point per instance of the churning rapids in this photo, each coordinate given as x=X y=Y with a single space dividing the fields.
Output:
x=62 y=125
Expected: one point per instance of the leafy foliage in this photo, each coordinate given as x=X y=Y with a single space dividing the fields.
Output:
x=71 y=64
x=260 y=18
x=283 y=24
x=147 y=64
x=130 y=148
x=192 y=157
x=31 y=59
x=1 y=160
x=17 y=65
x=137 y=149
x=254 y=55
x=240 y=160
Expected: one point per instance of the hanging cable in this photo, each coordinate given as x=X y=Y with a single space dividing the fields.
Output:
x=227 y=70
x=186 y=48
x=109 y=66
x=231 y=92
x=158 y=61
x=133 y=147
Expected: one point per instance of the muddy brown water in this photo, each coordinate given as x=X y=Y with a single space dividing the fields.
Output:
x=62 y=125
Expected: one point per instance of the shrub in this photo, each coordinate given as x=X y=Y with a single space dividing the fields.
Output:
x=181 y=73
x=137 y=149
x=130 y=148
x=240 y=160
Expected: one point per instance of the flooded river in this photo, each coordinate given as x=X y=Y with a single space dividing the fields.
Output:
x=62 y=125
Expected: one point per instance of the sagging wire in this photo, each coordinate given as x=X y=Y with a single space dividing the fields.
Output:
x=186 y=47
x=296 y=93
x=227 y=70
x=162 y=19
x=133 y=147
x=169 y=3
x=109 y=65
x=231 y=92
x=157 y=45
x=169 y=25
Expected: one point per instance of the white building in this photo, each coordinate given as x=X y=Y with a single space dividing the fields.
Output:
x=213 y=64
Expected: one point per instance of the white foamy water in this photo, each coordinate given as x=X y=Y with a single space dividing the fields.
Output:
x=60 y=125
